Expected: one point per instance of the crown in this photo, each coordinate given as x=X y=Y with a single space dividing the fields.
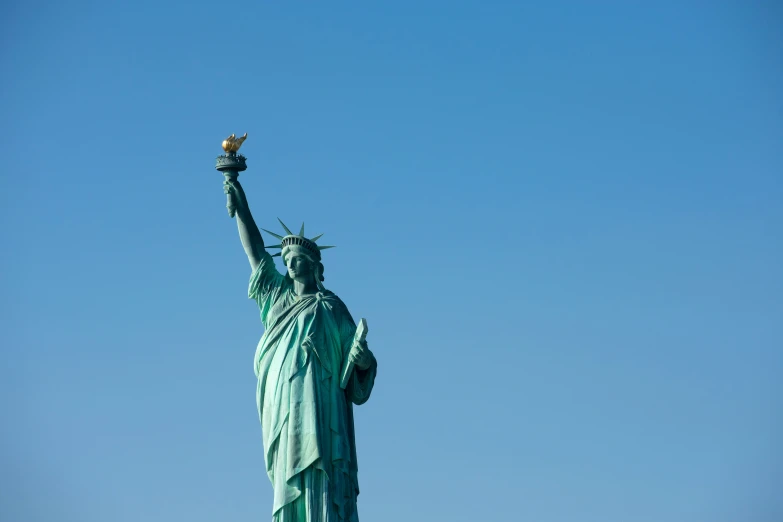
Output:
x=297 y=239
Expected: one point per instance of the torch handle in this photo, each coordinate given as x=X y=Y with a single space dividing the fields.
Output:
x=231 y=175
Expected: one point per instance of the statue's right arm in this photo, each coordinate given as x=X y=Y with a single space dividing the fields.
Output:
x=251 y=238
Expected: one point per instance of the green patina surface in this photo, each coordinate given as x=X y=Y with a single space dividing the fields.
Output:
x=309 y=342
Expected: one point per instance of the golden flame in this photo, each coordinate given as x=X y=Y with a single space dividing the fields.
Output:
x=232 y=143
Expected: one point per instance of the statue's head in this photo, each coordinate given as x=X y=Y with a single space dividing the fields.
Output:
x=302 y=256
x=302 y=265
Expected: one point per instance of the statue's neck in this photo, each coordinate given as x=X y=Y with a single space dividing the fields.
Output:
x=305 y=287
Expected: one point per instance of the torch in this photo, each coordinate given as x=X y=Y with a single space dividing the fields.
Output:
x=231 y=164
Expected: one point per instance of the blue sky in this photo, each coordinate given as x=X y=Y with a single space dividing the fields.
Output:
x=562 y=221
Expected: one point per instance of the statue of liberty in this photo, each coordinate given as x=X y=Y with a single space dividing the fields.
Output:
x=312 y=366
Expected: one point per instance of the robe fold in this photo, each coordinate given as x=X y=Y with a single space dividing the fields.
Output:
x=306 y=418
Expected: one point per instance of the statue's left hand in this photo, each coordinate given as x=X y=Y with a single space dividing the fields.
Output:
x=361 y=356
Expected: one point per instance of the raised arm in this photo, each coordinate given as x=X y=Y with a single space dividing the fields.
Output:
x=251 y=238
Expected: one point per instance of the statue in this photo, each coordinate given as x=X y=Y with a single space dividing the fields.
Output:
x=312 y=365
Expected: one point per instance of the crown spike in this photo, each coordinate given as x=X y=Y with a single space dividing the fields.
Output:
x=316 y=238
x=285 y=227
x=273 y=246
x=272 y=233
x=301 y=230
x=276 y=255
x=325 y=247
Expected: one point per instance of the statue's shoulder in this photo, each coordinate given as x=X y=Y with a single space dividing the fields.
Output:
x=335 y=300
x=331 y=296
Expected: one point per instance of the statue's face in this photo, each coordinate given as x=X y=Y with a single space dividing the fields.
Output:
x=299 y=267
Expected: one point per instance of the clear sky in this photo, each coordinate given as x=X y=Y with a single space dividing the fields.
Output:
x=562 y=221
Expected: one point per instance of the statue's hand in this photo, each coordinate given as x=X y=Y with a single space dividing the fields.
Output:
x=236 y=196
x=361 y=356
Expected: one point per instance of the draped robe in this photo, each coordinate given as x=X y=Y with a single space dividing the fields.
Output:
x=306 y=418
